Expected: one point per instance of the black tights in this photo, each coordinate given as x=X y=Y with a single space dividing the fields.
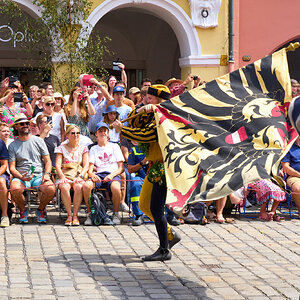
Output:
x=157 y=206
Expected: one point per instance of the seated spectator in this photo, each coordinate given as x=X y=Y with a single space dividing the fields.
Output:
x=10 y=110
x=265 y=192
x=51 y=140
x=137 y=165
x=72 y=163
x=5 y=134
x=291 y=166
x=30 y=166
x=109 y=116
x=37 y=102
x=4 y=184
x=108 y=160
x=146 y=82
x=135 y=95
x=79 y=109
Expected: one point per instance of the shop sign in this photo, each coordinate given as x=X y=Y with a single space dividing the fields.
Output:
x=8 y=34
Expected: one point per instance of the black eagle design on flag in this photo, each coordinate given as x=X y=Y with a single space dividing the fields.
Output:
x=226 y=134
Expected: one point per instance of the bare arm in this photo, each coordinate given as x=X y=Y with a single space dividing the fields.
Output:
x=15 y=173
x=123 y=73
x=289 y=170
x=120 y=170
x=85 y=163
x=75 y=104
x=90 y=107
x=4 y=165
x=27 y=105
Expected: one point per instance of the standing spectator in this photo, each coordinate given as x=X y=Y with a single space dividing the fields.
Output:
x=59 y=108
x=34 y=130
x=72 y=163
x=135 y=95
x=32 y=92
x=111 y=114
x=37 y=102
x=119 y=96
x=99 y=105
x=4 y=184
x=111 y=81
x=56 y=119
x=108 y=160
x=47 y=86
x=25 y=152
x=52 y=141
x=126 y=101
x=144 y=99
x=146 y=82
x=10 y=110
x=79 y=109
x=295 y=86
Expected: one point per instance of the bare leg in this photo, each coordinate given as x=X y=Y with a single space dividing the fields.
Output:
x=18 y=188
x=46 y=194
x=86 y=190
x=296 y=195
x=123 y=185
x=220 y=204
x=3 y=197
x=66 y=198
x=116 y=195
x=77 y=199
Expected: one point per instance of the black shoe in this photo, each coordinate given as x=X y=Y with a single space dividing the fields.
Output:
x=172 y=220
x=159 y=255
x=138 y=221
x=175 y=240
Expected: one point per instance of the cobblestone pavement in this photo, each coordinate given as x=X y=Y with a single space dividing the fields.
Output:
x=244 y=260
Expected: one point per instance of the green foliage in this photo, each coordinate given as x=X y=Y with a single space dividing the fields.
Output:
x=55 y=40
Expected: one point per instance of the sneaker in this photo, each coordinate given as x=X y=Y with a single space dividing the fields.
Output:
x=88 y=221
x=41 y=216
x=4 y=221
x=116 y=218
x=23 y=217
x=124 y=207
x=175 y=240
x=172 y=220
x=138 y=221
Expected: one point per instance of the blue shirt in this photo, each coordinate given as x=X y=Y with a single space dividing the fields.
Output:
x=135 y=157
x=98 y=116
x=293 y=157
x=123 y=113
x=3 y=151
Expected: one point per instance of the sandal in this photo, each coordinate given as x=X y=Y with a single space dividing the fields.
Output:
x=68 y=222
x=277 y=218
x=75 y=222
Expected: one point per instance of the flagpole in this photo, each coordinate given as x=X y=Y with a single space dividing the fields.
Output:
x=292 y=46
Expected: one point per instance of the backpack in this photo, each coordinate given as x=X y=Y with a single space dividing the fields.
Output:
x=196 y=213
x=98 y=210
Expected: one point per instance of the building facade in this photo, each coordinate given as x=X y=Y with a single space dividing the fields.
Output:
x=161 y=39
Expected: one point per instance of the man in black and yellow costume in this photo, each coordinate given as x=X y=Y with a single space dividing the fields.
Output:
x=154 y=190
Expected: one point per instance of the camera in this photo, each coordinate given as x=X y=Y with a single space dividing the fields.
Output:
x=195 y=77
x=80 y=96
x=12 y=80
x=86 y=80
x=18 y=97
x=49 y=119
x=115 y=65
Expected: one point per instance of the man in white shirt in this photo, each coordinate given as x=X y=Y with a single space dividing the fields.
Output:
x=108 y=160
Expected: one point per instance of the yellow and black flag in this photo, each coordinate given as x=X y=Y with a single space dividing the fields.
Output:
x=225 y=134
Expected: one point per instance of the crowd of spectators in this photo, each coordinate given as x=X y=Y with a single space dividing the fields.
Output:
x=51 y=141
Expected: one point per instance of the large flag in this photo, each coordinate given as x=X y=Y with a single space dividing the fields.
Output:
x=226 y=134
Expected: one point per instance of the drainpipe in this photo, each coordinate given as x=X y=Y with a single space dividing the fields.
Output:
x=230 y=37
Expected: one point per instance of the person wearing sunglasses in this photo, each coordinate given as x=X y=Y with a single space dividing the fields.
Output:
x=30 y=166
x=56 y=118
x=72 y=163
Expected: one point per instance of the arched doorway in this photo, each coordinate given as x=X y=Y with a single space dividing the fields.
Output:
x=146 y=44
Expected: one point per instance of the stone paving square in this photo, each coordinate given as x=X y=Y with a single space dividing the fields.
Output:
x=244 y=260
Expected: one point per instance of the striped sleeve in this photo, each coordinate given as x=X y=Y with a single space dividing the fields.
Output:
x=143 y=135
